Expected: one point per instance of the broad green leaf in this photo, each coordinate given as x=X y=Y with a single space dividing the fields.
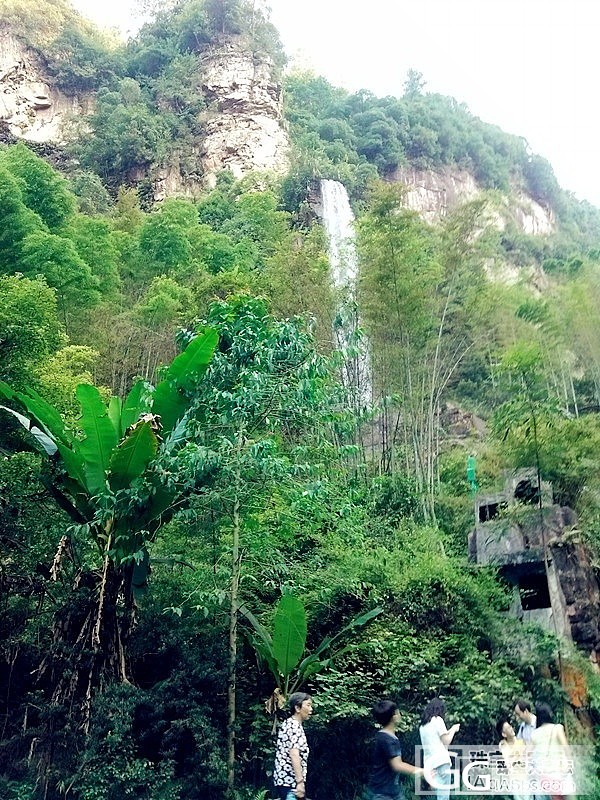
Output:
x=178 y=435
x=45 y=414
x=306 y=662
x=313 y=668
x=289 y=633
x=262 y=643
x=73 y=463
x=42 y=438
x=266 y=654
x=326 y=642
x=132 y=456
x=192 y=363
x=6 y=391
x=114 y=415
x=356 y=622
x=136 y=403
x=258 y=627
x=100 y=437
x=169 y=401
x=170 y=405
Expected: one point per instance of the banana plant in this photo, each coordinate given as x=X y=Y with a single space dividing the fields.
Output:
x=282 y=650
x=114 y=445
x=105 y=480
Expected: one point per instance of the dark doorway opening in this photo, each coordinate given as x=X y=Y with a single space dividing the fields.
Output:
x=527 y=492
x=533 y=590
x=488 y=511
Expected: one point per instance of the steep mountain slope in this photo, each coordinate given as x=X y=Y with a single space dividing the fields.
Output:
x=204 y=92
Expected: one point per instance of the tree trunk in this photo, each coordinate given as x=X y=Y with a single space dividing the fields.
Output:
x=87 y=654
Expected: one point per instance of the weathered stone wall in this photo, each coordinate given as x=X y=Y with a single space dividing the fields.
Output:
x=523 y=540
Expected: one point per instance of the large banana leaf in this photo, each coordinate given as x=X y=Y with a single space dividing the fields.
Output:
x=6 y=391
x=355 y=622
x=115 y=408
x=100 y=436
x=170 y=404
x=41 y=438
x=132 y=456
x=46 y=415
x=169 y=400
x=262 y=642
x=192 y=363
x=289 y=633
x=74 y=465
x=136 y=403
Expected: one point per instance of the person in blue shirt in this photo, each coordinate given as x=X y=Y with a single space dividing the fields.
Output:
x=387 y=763
x=527 y=720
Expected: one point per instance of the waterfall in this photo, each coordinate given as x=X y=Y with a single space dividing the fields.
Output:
x=338 y=221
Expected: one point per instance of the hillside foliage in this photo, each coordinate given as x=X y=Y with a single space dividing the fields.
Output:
x=178 y=451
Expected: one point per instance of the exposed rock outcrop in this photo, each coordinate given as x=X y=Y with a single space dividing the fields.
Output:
x=434 y=194
x=243 y=127
x=29 y=105
x=243 y=130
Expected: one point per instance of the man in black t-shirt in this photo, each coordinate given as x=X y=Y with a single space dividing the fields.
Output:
x=388 y=765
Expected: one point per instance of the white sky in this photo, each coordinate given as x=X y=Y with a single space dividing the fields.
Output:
x=529 y=66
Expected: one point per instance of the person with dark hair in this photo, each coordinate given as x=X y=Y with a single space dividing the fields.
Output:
x=515 y=757
x=435 y=739
x=291 y=754
x=551 y=756
x=527 y=720
x=384 y=783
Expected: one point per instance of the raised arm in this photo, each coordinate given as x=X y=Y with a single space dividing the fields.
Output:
x=450 y=734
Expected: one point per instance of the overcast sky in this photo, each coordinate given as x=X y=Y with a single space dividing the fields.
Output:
x=530 y=66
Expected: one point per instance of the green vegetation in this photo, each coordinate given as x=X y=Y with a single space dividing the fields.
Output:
x=191 y=512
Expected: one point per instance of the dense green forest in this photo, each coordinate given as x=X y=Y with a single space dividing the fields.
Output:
x=181 y=463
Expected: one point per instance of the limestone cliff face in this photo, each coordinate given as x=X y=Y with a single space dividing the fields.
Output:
x=30 y=106
x=243 y=130
x=243 y=126
x=434 y=194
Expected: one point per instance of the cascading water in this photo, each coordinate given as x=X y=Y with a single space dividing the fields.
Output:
x=338 y=220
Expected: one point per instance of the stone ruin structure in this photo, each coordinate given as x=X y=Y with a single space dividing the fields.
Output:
x=535 y=545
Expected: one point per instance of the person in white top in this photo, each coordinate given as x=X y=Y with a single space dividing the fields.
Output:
x=435 y=740
x=552 y=759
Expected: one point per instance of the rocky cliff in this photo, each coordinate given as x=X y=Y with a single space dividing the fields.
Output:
x=243 y=130
x=435 y=194
x=30 y=107
x=243 y=127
